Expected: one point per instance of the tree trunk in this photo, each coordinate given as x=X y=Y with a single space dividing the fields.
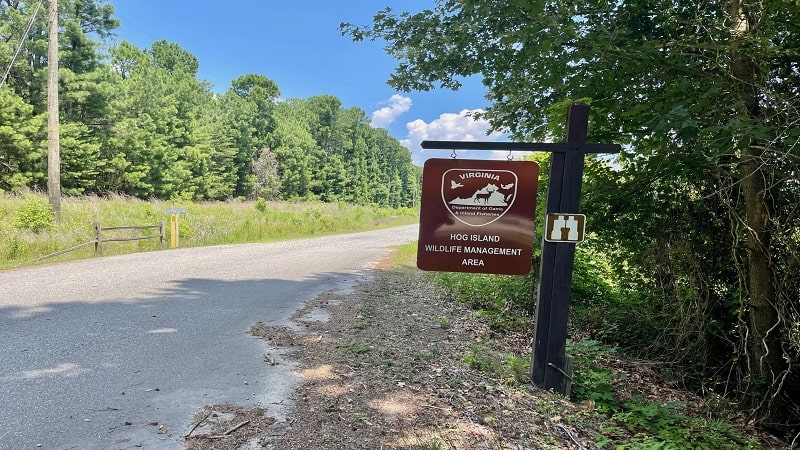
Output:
x=765 y=364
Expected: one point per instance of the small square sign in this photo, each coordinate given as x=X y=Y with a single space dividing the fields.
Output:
x=477 y=216
x=565 y=227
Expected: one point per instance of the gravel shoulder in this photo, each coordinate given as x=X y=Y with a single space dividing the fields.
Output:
x=393 y=365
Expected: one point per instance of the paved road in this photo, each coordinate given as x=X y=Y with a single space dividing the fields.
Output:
x=99 y=354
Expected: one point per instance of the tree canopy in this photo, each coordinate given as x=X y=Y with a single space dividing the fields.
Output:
x=139 y=121
x=699 y=209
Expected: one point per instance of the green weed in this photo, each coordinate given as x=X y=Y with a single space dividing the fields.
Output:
x=434 y=445
x=519 y=368
x=261 y=205
x=479 y=359
x=590 y=380
x=630 y=423
x=664 y=426
x=504 y=302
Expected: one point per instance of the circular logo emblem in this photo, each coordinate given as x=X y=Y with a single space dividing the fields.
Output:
x=478 y=197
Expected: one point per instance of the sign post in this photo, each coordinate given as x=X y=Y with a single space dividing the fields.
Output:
x=173 y=225
x=549 y=365
x=549 y=369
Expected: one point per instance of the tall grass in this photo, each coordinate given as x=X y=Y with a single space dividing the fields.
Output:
x=204 y=224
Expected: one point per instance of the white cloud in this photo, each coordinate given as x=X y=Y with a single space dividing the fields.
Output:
x=449 y=127
x=398 y=104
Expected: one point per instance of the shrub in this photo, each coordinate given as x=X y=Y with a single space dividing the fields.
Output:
x=35 y=215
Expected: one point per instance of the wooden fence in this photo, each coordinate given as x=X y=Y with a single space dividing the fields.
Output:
x=99 y=238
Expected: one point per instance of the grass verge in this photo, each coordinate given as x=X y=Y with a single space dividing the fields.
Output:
x=30 y=231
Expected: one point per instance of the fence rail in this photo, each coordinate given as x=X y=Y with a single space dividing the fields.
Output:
x=99 y=239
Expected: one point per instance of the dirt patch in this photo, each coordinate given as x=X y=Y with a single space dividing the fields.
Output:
x=393 y=365
x=387 y=370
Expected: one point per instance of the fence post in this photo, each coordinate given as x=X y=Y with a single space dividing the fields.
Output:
x=98 y=239
x=162 y=231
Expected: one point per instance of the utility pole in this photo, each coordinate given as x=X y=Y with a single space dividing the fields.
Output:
x=53 y=149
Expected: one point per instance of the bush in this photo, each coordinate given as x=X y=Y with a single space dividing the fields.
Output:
x=35 y=215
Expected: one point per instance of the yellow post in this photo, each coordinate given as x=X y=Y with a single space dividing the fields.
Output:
x=173 y=229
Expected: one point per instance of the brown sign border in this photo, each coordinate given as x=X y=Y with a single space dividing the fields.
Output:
x=452 y=243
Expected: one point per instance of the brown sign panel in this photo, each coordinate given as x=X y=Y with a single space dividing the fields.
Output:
x=477 y=216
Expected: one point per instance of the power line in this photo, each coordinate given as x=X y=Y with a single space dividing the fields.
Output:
x=21 y=42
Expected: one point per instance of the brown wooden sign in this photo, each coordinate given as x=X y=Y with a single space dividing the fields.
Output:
x=477 y=216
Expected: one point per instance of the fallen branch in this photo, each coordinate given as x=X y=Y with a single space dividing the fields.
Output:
x=197 y=425
x=231 y=430
x=571 y=436
x=435 y=407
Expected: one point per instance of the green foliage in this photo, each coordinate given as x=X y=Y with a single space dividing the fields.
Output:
x=664 y=426
x=653 y=425
x=504 y=301
x=479 y=359
x=138 y=121
x=21 y=143
x=261 y=205
x=590 y=380
x=511 y=368
x=696 y=215
x=14 y=248
x=35 y=215
x=519 y=368
x=331 y=154
x=433 y=445
x=618 y=308
x=406 y=256
x=648 y=425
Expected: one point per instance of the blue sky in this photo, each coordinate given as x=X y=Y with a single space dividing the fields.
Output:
x=298 y=45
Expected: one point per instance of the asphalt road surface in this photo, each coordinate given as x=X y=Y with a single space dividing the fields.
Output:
x=120 y=352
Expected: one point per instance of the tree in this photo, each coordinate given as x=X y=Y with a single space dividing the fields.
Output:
x=22 y=144
x=258 y=87
x=330 y=153
x=295 y=150
x=705 y=96
x=267 y=184
x=249 y=108
x=83 y=80
x=84 y=24
x=157 y=138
